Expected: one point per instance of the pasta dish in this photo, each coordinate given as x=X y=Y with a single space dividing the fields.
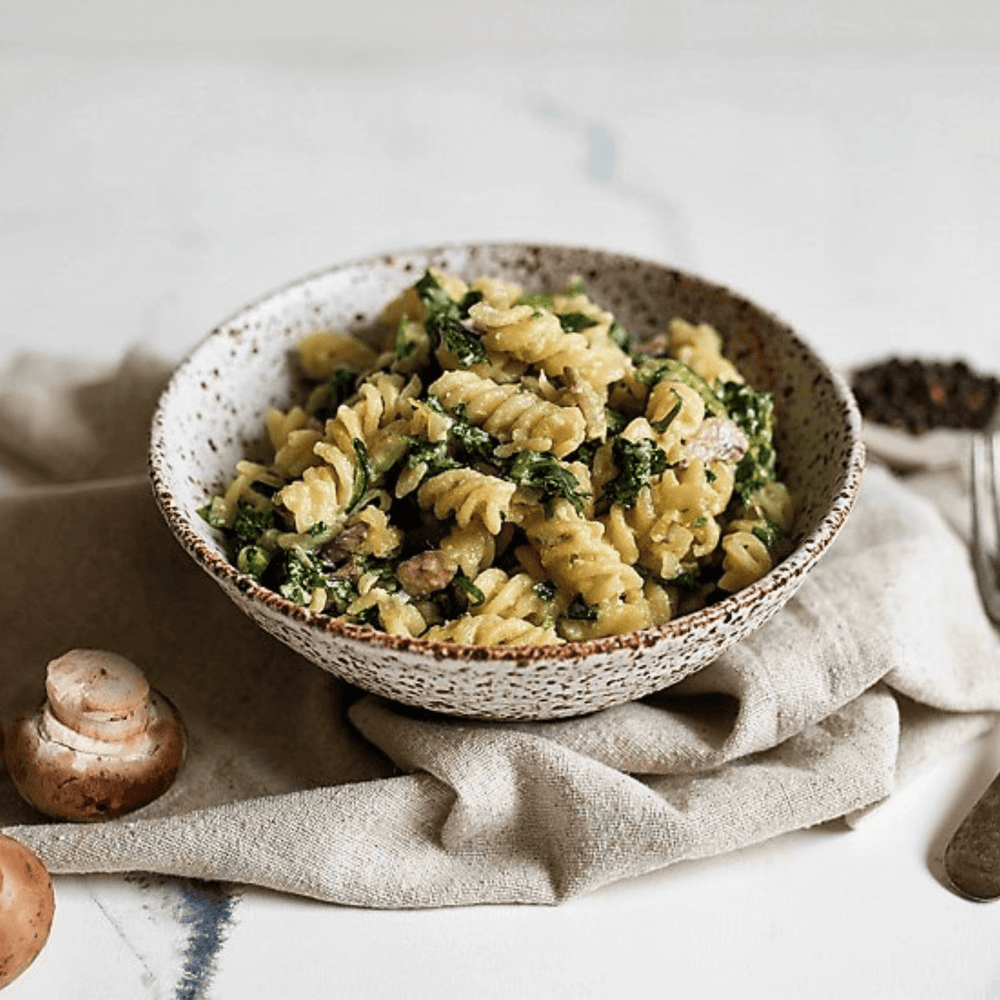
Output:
x=501 y=467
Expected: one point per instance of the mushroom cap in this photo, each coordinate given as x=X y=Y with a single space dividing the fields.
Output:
x=27 y=904
x=104 y=744
x=97 y=693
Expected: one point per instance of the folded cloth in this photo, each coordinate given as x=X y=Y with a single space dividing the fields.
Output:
x=883 y=661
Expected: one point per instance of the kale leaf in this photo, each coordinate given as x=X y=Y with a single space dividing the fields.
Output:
x=545 y=473
x=303 y=574
x=637 y=462
x=433 y=454
x=338 y=386
x=251 y=522
x=475 y=595
x=662 y=425
x=620 y=337
x=575 y=321
x=769 y=532
x=753 y=413
x=445 y=320
x=364 y=475
x=471 y=441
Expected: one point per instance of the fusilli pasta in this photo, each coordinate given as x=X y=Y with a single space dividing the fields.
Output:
x=506 y=468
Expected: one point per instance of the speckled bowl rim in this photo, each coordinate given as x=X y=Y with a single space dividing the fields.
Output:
x=789 y=570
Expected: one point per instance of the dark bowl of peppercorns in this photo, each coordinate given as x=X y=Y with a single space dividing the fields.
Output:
x=918 y=396
x=916 y=410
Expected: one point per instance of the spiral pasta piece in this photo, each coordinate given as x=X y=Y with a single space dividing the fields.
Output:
x=471 y=547
x=397 y=615
x=322 y=353
x=492 y=630
x=613 y=617
x=699 y=346
x=466 y=495
x=513 y=414
x=745 y=560
x=322 y=494
x=379 y=418
x=517 y=596
x=675 y=411
x=575 y=555
x=746 y=554
x=538 y=338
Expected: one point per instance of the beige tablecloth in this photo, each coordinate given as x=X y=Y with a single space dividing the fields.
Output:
x=297 y=782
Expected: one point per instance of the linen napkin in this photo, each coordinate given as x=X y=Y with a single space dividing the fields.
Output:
x=295 y=781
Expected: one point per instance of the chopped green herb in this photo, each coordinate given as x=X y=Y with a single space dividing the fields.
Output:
x=253 y=560
x=545 y=589
x=476 y=596
x=339 y=594
x=575 y=286
x=472 y=441
x=753 y=413
x=653 y=370
x=433 y=454
x=469 y=299
x=545 y=473
x=769 y=532
x=251 y=522
x=616 y=421
x=363 y=475
x=662 y=425
x=214 y=512
x=686 y=580
x=404 y=346
x=338 y=387
x=619 y=336
x=303 y=575
x=444 y=320
x=701 y=522
x=637 y=462
x=575 y=321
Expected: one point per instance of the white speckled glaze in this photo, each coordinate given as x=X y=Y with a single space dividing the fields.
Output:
x=211 y=415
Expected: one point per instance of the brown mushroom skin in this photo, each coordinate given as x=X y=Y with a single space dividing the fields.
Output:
x=27 y=904
x=49 y=776
x=128 y=753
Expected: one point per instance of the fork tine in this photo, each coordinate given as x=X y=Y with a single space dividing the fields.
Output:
x=985 y=493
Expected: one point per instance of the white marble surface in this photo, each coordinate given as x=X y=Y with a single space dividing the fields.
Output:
x=161 y=165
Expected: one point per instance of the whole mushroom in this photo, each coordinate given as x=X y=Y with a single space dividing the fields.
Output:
x=102 y=744
x=27 y=904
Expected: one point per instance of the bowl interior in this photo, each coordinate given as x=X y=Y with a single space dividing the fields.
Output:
x=212 y=414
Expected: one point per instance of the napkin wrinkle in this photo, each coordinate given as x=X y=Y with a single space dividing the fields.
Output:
x=882 y=662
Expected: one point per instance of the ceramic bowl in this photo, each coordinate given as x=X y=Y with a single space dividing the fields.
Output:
x=211 y=414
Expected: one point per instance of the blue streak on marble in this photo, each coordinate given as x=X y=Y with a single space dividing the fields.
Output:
x=603 y=164
x=207 y=909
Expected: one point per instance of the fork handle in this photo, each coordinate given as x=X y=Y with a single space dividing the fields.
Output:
x=972 y=857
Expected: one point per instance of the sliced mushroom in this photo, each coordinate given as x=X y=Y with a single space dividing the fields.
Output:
x=103 y=743
x=27 y=904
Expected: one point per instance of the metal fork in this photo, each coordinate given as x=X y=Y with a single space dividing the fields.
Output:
x=972 y=857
